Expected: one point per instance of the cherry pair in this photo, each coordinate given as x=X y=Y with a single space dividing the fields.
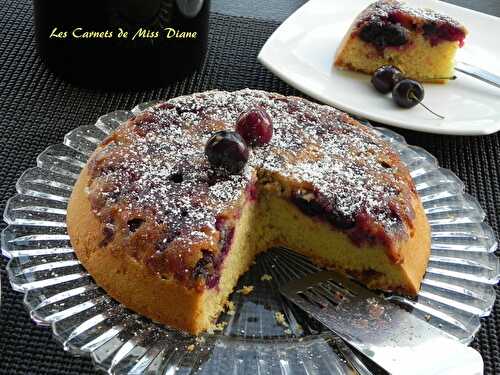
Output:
x=406 y=93
x=229 y=149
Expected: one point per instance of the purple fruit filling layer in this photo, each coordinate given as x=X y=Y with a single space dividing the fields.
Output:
x=360 y=228
x=384 y=34
x=209 y=266
x=312 y=206
x=393 y=31
x=444 y=32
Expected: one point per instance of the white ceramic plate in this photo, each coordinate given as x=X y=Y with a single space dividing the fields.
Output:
x=302 y=49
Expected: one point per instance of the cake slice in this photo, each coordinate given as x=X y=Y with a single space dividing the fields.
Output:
x=421 y=42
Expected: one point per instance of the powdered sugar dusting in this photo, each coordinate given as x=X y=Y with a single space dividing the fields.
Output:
x=155 y=164
x=383 y=9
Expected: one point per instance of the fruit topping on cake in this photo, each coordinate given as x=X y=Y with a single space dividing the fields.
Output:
x=255 y=126
x=421 y=42
x=227 y=150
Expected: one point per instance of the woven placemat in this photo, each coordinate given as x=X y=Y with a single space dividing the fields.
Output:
x=37 y=109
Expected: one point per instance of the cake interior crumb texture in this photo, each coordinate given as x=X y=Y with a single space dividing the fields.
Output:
x=167 y=238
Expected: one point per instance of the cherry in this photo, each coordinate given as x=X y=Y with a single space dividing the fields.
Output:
x=385 y=78
x=408 y=93
x=255 y=126
x=384 y=34
x=227 y=150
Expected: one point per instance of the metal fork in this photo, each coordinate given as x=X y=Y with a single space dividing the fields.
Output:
x=385 y=333
x=296 y=267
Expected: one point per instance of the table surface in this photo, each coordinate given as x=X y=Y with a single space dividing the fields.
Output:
x=273 y=11
x=279 y=10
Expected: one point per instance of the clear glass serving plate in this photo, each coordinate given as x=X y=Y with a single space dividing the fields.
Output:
x=456 y=292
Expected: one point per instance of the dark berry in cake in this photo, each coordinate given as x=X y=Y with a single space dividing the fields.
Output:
x=340 y=221
x=384 y=34
x=408 y=93
x=134 y=224
x=438 y=32
x=307 y=203
x=227 y=150
x=385 y=78
x=311 y=205
x=205 y=265
x=255 y=126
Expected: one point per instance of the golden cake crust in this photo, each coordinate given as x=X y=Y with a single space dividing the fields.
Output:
x=158 y=242
x=124 y=278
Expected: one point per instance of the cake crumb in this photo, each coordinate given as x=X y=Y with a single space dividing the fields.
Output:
x=246 y=290
x=190 y=348
x=216 y=327
x=200 y=340
x=266 y=277
x=219 y=326
x=427 y=317
x=375 y=310
x=280 y=319
x=230 y=308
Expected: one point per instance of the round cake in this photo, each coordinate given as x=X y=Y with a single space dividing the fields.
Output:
x=167 y=234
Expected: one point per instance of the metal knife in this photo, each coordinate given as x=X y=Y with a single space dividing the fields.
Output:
x=478 y=73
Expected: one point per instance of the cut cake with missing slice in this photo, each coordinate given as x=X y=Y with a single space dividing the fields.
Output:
x=168 y=237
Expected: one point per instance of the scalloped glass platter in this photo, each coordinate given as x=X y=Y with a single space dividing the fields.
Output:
x=456 y=292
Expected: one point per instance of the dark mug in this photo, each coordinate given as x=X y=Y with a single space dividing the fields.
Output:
x=122 y=43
